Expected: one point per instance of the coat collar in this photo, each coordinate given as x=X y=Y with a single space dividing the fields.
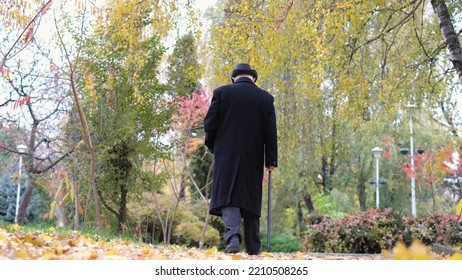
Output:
x=245 y=80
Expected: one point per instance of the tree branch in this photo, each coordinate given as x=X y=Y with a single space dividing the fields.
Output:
x=5 y=57
x=400 y=23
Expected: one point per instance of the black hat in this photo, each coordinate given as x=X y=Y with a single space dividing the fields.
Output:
x=244 y=68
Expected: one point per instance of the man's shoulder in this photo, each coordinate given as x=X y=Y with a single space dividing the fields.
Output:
x=266 y=93
x=222 y=88
x=252 y=87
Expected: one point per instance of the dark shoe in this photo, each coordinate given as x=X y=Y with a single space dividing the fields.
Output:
x=254 y=253
x=233 y=246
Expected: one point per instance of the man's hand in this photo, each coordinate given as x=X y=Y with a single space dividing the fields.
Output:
x=271 y=168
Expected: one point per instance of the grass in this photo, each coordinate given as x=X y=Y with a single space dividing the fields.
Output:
x=49 y=227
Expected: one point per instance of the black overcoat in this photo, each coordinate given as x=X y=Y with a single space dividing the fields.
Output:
x=240 y=128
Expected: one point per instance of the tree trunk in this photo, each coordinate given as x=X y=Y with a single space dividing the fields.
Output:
x=76 y=205
x=325 y=174
x=308 y=203
x=207 y=205
x=299 y=216
x=182 y=193
x=123 y=207
x=170 y=225
x=31 y=173
x=362 y=195
x=29 y=190
x=159 y=216
x=87 y=139
x=449 y=34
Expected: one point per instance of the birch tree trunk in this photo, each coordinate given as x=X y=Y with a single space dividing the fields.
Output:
x=449 y=34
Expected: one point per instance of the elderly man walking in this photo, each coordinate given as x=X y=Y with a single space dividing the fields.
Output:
x=241 y=132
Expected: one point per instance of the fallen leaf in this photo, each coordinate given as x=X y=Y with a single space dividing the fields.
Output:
x=455 y=256
x=236 y=257
x=211 y=251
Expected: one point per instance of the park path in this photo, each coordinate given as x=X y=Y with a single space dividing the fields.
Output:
x=309 y=256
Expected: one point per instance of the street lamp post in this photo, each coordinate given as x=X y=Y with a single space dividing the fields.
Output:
x=21 y=150
x=411 y=132
x=377 y=154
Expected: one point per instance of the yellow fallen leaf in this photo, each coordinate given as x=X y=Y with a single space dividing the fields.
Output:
x=400 y=252
x=267 y=255
x=386 y=254
x=84 y=255
x=20 y=254
x=57 y=247
x=112 y=252
x=211 y=251
x=146 y=250
x=418 y=251
x=62 y=236
x=14 y=227
x=157 y=257
x=236 y=257
x=73 y=242
x=46 y=237
x=29 y=237
x=47 y=255
x=192 y=251
x=3 y=236
x=38 y=242
x=114 y=257
x=298 y=256
x=455 y=256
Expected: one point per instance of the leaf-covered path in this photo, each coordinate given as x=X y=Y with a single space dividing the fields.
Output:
x=53 y=245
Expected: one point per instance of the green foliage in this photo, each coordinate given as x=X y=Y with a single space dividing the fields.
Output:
x=442 y=229
x=316 y=218
x=373 y=231
x=128 y=113
x=65 y=232
x=281 y=243
x=217 y=223
x=341 y=72
x=6 y=139
x=8 y=192
x=187 y=224
x=323 y=204
x=340 y=84
x=189 y=234
x=200 y=164
x=184 y=70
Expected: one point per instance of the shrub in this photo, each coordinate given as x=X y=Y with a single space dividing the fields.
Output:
x=189 y=234
x=8 y=192
x=374 y=231
x=443 y=229
x=282 y=243
x=187 y=215
x=316 y=218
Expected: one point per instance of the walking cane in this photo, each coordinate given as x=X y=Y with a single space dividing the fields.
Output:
x=268 y=225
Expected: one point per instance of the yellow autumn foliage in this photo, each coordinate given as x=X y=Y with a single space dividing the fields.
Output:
x=18 y=242
x=416 y=251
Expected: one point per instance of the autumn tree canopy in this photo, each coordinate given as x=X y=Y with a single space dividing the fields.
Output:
x=99 y=94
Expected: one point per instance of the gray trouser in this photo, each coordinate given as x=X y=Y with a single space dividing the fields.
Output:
x=232 y=219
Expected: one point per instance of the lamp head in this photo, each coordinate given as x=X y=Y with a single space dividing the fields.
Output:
x=404 y=151
x=377 y=152
x=21 y=148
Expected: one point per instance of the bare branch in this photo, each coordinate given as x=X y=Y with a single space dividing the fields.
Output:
x=392 y=28
x=5 y=57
